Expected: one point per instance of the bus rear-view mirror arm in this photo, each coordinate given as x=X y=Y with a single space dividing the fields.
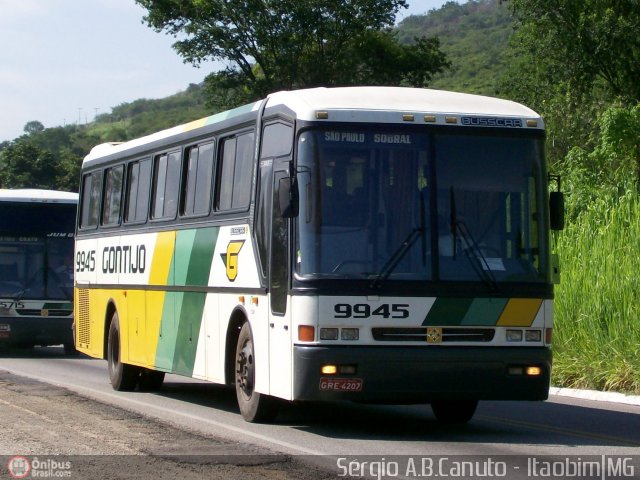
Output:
x=288 y=197
x=556 y=206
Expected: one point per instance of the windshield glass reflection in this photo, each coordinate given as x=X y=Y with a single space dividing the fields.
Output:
x=397 y=204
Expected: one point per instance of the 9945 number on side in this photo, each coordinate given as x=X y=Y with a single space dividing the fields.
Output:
x=364 y=310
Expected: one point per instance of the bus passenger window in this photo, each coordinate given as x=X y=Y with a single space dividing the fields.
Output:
x=91 y=194
x=166 y=186
x=112 y=196
x=199 y=174
x=139 y=179
x=234 y=181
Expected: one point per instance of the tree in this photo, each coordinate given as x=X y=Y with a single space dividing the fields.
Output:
x=33 y=126
x=25 y=165
x=570 y=60
x=591 y=43
x=271 y=45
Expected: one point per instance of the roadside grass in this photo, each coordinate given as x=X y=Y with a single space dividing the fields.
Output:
x=597 y=304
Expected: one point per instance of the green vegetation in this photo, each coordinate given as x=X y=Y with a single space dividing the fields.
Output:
x=597 y=333
x=474 y=37
x=575 y=62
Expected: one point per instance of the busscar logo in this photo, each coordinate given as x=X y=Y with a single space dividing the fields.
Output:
x=492 y=122
x=230 y=258
x=19 y=467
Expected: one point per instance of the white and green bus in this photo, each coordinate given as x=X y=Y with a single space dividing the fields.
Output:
x=372 y=244
x=36 y=267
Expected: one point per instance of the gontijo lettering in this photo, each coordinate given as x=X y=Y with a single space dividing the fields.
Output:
x=124 y=259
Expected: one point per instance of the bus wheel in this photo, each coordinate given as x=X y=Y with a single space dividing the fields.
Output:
x=123 y=377
x=454 y=411
x=254 y=406
x=150 y=380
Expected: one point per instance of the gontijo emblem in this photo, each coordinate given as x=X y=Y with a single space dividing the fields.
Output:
x=434 y=335
x=230 y=258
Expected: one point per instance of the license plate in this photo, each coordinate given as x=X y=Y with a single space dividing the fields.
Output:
x=340 y=384
x=5 y=327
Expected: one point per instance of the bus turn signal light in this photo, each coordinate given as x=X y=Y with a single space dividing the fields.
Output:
x=306 y=333
x=329 y=369
x=534 y=371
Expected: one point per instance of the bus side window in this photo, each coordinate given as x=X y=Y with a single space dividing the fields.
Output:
x=166 y=186
x=137 y=196
x=277 y=140
x=234 y=180
x=91 y=195
x=112 y=196
x=198 y=177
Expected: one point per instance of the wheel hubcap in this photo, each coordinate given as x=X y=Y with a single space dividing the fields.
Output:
x=245 y=369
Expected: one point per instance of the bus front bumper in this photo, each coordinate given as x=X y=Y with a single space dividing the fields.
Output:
x=28 y=331
x=397 y=375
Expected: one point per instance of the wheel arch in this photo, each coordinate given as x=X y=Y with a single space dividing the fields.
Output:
x=109 y=311
x=236 y=321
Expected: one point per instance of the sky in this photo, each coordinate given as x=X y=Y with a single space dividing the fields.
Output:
x=64 y=61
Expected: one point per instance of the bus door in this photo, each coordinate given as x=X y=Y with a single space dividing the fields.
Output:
x=280 y=358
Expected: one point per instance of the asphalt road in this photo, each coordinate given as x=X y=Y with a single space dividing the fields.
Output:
x=561 y=426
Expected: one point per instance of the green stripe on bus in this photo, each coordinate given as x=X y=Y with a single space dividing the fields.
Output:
x=183 y=311
x=484 y=311
x=186 y=345
x=201 y=247
x=204 y=245
x=168 y=330
x=449 y=312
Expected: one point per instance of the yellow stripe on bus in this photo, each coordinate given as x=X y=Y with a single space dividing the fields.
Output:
x=520 y=312
x=159 y=275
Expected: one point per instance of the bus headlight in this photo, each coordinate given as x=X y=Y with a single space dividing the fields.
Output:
x=349 y=334
x=328 y=334
x=533 y=335
x=514 y=335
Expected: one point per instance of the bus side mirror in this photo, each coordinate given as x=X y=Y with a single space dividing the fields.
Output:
x=288 y=197
x=556 y=210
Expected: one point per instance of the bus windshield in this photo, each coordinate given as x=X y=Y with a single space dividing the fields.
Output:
x=399 y=204
x=36 y=267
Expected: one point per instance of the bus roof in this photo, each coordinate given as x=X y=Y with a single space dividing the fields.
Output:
x=356 y=104
x=34 y=195
x=397 y=99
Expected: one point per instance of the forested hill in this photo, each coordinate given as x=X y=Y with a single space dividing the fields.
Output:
x=474 y=36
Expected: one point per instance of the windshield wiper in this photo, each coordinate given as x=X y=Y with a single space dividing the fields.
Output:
x=473 y=251
x=477 y=258
x=397 y=256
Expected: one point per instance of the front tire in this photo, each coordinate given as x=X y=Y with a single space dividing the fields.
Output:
x=454 y=411
x=124 y=377
x=255 y=407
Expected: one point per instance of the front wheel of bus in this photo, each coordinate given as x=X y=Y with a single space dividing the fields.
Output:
x=123 y=377
x=454 y=411
x=254 y=406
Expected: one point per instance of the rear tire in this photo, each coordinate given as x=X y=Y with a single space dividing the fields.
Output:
x=255 y=407
x=454 y=411
x=124 y=377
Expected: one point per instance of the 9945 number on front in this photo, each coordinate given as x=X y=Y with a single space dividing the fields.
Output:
x=364 y=310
